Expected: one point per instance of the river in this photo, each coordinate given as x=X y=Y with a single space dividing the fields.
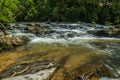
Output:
x=68 y=51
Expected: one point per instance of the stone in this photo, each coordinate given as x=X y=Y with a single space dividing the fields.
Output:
x=107 y=32
x=38 y=30
x=10 y=41
x=1 y=33
x=30 y=24
x=34 y=69
x=101 y=33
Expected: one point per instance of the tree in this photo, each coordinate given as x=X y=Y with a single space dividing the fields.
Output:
x=8 y=9
x=99 y=11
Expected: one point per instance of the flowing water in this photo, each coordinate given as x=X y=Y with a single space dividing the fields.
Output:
x=68 y=46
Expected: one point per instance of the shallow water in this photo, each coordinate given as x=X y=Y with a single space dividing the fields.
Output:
x=70 y=47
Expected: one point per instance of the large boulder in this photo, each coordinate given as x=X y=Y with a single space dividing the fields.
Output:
x=10 y=41
x=14 y=40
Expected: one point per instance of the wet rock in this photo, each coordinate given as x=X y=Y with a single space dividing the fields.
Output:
x=94 y=72
x=30 y=24
x=38 y=30
x=25 y=69
x=3 y=29
x=107 y=32
x=99 y=45
x=10 y=41
x=1 y=33
x=14 y=40
x=30 y=28
x=117 y=26
x=98 y=32
x=6 y=24
x=16 y=24
x=87 y=24
x=37 y=24
x=71 y=34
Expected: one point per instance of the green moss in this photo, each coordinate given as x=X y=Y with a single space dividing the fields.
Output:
x=108 y=23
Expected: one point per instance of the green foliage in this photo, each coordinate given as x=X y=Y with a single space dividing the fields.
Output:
x=108 y=23
x=55 y=12
x=61 y=10
x=93 y=22
x=7 y=10
x=79 y=22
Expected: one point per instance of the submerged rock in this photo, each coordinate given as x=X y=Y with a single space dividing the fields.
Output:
x=34 y=71
x=40 y=75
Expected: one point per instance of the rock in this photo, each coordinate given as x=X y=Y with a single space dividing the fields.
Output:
x=100 y=45
x=16 y=24
x=1 y=33
x=71 y=34
x=94 y=72
x=101 y=33
x=30 y=24
x=33 y=69
x=3 y=29
x=37 y=29
x=10 y=41
x=87 y=24
x=117 y=26
x=107 y=32
x=14 y=40
x=31 y=28
x=37 y=24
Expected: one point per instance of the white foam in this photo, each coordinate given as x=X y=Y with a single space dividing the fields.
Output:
x=78 y=31
x=82 y=38
x=26 y=34
x=48 y=40
x=106 y=78
x=62 y=29
x=74 y=40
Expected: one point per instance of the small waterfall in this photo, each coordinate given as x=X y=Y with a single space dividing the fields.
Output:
x=56 y=31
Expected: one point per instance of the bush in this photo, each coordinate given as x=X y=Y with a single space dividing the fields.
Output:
x=108 y=23
x=79 y=22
